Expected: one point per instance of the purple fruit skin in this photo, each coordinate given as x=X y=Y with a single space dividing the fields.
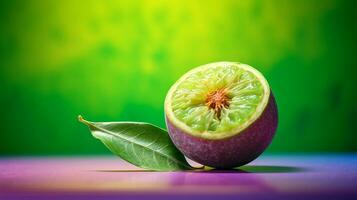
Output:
x=229 y=152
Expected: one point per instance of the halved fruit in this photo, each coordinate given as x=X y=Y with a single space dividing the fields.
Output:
x=221 y=114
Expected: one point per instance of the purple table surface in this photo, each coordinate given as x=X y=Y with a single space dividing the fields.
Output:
x=285 y=176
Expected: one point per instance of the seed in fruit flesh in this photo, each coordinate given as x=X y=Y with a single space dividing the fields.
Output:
x=221 y=114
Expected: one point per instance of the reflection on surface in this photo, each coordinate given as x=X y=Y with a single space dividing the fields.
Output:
x=271 y=169
x=238 y=180
x=219 y=181
x=243 y=169
x=121 y=170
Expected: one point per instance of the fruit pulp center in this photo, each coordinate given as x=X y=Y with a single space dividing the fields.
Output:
x=217 y=100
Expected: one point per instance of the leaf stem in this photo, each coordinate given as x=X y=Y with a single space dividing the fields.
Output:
x=82 y=120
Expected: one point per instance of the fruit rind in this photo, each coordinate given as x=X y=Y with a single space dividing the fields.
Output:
x=224 y=134
x=230 y=152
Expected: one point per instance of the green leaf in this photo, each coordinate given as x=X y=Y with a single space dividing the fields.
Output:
x=141 y=144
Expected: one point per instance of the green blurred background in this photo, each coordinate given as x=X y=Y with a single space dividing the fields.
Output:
x=115 y=60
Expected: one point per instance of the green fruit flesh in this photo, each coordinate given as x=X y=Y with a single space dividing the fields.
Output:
x=218 y=98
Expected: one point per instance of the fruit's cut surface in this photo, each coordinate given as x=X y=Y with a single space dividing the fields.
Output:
x=221 y=114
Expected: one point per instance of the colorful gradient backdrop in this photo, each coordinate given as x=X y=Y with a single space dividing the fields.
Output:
x=115 y=60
